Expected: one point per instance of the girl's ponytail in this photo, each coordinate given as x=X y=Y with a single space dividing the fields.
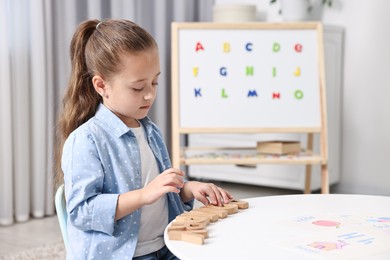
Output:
x=81 y=100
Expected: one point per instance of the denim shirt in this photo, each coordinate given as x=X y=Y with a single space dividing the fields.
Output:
x=101 y=159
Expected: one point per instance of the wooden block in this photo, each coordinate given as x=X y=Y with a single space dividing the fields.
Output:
x=195 y=226
x=188 y=225
x=211 y=215
x=240 y=203
x=203 y=232
x=186 y=236
x=220 y=212
x=195 y=219
x=279 y=147
x=230 y=208
x=177 y=228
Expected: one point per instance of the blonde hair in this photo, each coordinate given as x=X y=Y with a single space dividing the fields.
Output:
x=95 y=49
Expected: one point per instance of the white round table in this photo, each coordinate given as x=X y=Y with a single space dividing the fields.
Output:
x=316 y=226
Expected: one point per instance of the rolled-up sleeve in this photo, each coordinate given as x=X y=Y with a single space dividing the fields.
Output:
x=88 y=208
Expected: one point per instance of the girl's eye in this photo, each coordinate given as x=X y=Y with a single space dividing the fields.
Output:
x=154 y=83
x=138 y=89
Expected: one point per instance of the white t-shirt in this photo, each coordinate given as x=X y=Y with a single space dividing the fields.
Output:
x=154 y=217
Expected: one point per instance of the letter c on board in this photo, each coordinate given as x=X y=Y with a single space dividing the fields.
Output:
x=249 y=46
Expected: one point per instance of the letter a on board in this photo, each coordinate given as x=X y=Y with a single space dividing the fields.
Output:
x=199 y=47
x=197 y=92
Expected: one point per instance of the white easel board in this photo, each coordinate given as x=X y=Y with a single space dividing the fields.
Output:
x=248 y=76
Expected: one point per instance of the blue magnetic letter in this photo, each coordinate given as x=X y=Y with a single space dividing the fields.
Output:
x=223 y=71
x=197 y=92
x=248 y=46
x=252 y=93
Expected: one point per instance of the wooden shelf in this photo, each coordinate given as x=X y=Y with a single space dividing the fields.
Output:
x=246 y=156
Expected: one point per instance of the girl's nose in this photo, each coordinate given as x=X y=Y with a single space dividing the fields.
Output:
x=149 y=94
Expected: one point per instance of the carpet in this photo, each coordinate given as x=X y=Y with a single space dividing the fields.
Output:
x=53 y=251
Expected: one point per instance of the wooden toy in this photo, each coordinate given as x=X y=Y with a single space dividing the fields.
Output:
x=212 y=216
x=240 y=203
x=193 y=219
x=191 y=226
x=187 y=236
x=220 y=212
x=203 y=232
x=230 y=208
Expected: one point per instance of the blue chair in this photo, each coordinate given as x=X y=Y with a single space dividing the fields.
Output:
x=62 y=215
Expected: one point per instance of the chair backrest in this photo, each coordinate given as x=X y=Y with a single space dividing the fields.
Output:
x=62 y=215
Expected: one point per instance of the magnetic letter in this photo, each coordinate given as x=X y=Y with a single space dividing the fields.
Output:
x=198 y=47
x=298 y=47
x=298 y=94
x=223 y=71
x=195 y=70
x=276 y=47
x=276 y=95
x=249 y=70
x=223 y=94
x=197 y=92
x=248 y=46
x=226 y=47
x=297 y=72
x=252 y=93
x=273 y=72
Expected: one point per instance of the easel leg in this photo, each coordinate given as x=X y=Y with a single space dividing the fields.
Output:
x=308 y=179
x=310 y=140
x=324 y=179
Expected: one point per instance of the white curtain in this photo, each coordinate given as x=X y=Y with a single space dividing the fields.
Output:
x=34 y=68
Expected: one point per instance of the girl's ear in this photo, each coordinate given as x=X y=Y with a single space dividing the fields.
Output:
x=99 y=85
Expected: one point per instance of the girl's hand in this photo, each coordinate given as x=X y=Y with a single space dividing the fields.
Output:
x=171 y=180
x=206 y=193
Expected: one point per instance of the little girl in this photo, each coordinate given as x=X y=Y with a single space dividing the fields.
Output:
x=121 y=190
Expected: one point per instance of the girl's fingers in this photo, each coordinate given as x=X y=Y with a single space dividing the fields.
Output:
x=204 y=200
x=226 y=196
x=174 y=171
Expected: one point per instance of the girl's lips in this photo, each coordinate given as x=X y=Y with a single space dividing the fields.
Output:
x=145 y=107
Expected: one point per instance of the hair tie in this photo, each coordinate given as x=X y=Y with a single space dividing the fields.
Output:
x=97 y=26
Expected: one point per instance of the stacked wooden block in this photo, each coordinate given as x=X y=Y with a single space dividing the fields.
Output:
x=192 y=226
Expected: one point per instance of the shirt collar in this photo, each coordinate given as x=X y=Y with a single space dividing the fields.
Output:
x=116 y=125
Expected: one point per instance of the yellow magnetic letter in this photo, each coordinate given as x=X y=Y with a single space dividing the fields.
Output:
x=297 y=72
x=195 y=70
x=226 y=47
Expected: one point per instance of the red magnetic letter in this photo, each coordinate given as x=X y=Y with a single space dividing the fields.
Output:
x=298 y=47
x=199 y=46
x=276 y=95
